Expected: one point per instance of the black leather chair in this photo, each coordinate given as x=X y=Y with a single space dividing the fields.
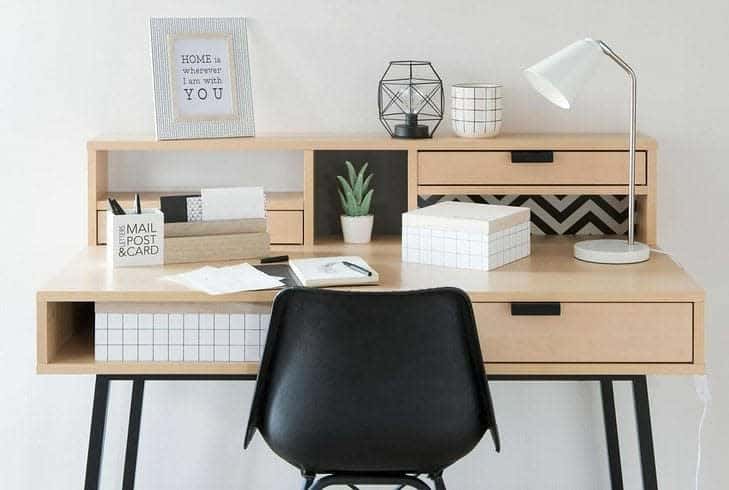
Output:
x=372 y=388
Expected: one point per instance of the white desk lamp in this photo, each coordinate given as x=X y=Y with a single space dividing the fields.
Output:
x=558 y=79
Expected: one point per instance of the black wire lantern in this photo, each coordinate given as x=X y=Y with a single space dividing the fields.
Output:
x=410 y=93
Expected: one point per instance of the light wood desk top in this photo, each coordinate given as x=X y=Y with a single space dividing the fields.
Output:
x=641 y=318
x=549 y=274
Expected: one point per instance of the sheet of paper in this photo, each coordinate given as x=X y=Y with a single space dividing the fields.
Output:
x=226 y=280
x=233 y=203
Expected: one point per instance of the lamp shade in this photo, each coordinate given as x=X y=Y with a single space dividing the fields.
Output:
x=559 y=77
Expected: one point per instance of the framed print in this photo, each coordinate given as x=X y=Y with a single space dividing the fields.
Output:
x=202 y=81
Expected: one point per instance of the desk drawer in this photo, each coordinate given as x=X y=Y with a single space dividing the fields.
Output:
x=528 y=168
x=587 y=333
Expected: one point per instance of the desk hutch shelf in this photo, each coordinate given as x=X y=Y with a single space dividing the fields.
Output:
x=583 y=164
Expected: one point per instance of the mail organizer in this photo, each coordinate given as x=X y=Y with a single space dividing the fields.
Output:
x=144 y=239
x=466 y=235
x=218 y=240
x=173 y=332
x=136 y=239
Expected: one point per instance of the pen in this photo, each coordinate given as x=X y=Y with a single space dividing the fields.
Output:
x=119 y=208
x=115 y=207
x=138 y=203
x=357 y=268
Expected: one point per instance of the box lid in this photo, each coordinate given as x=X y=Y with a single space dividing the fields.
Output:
x=467 y=216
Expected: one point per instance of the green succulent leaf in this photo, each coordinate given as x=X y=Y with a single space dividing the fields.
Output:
x=366 y=184
x=343 y=200
x=351 y=174
x=362 y=170
x=354 y=192
x=346 y=188
x=357 y=187
x=348 y=201
x=366 y=202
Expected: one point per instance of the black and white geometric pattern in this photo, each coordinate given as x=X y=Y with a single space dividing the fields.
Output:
x=476 y=109
x=558 y=215
x=178 y=337
x=194 y=209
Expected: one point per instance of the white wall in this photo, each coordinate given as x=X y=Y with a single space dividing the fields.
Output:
x=74 y=70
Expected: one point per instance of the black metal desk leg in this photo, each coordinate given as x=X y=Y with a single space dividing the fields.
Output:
x=96 y=433
x=611 y=434
x=645 y=433
x=135 y=420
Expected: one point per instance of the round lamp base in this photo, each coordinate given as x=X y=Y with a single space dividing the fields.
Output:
x=612 y=251
x=411 y=131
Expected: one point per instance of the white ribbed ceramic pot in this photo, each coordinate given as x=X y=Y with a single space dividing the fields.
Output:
x=357 y=229
x=476 y=109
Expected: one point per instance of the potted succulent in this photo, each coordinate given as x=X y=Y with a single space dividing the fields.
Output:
x=356 y=197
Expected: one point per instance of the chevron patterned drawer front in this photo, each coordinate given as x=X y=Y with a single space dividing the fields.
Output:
x=558 y=215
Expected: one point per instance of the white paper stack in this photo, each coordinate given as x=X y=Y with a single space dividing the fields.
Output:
x=226 y=280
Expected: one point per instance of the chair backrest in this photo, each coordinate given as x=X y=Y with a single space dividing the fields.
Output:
x=383 y=381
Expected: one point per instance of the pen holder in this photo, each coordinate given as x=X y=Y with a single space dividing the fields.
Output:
x=135 y=239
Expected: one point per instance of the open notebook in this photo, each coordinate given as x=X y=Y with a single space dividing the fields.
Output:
x=332 y=271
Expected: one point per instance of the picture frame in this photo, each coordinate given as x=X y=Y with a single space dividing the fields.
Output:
x=202 y=78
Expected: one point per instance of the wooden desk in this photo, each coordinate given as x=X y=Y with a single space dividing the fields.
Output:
x=616 y=322
x=633 y=319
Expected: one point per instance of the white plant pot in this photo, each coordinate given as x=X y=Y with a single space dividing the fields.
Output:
x=357 y=229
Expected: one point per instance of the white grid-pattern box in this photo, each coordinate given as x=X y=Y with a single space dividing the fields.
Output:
x=466 y=235
x=134 y=332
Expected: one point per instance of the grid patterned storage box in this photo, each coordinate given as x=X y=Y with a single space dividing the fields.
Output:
x=466 y=235
x=180 y=332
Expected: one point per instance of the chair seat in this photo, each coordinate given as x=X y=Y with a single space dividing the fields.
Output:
x=375 y=454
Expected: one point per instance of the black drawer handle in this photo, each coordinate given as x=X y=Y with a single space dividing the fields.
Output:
x=536 y=309
x=532 y=156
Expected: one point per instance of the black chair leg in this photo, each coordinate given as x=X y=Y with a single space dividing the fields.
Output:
x=438 y=481
x=308 y=482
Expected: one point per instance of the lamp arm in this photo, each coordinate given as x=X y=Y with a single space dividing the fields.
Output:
x=631 y=172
